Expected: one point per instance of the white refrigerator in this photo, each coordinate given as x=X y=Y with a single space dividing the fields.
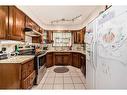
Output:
x=106 y=64
x=90 y=38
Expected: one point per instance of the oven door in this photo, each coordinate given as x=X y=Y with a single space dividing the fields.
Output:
x=41 y=68
x=41 y=60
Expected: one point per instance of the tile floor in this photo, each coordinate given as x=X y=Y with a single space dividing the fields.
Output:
x=73 y=79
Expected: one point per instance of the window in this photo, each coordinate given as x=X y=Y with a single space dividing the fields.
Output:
x=62 y=39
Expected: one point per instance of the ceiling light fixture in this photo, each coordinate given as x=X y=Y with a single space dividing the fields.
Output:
x=66 y=20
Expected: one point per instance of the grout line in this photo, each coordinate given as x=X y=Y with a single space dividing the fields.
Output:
x=82 y=81
x=72 y=81
x=54 y=78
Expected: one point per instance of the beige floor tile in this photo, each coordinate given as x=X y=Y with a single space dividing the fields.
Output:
x=68 y=80
x=76 y=80
x=68 y=86
x=59 y=74
x=78 y=70
x=49 y=81
x=58 y=86
x=51 y=75
x=83 y=79
x=74 y=74
x=48 y=86
x=79 y=86
x=67 y=74
x=58 y=80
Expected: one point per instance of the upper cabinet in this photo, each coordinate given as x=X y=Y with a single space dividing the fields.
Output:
x=12 y=24
x=3 y=22
x=16 y=24
x=31 y=24
x=78 y=36
x=49 y=36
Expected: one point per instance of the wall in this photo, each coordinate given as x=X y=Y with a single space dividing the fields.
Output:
x=9 y=45
x=28 y=39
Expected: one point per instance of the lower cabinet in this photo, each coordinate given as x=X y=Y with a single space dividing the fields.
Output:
x=28 y=82
x=49 y=59
x=76 y=60
x=58 y=59
x=17 y=75
x=28 y=74
x=62 y=58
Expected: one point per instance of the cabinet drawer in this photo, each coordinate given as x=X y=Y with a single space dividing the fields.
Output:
x=28 y=82
x=27 y=69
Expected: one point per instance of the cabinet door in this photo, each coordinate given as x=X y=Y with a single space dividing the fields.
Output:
x=49 y=60
x=31 y=24
x=67 y=59
x=28 y=82
x=75 y=37
x=27 y=69
x=3 y=21
x=36 y=39
x=49 y=36
x=16 y=24
x=76 y=60
x=58 y=60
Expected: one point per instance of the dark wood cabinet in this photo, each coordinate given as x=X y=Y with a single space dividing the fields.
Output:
x=76 y=60
x=62 y=58
x=67 y=59
x=12 y=24
x=17 y=75
x=16 y=24
x=59 y=60
x=37 y=39
x=49 y=59
x=49 y=36
x=31 y=24
x=3 y=22
x=78 y=36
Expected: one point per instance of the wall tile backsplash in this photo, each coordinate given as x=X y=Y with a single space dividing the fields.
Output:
x=9 y=45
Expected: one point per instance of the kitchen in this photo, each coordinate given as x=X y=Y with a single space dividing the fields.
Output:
x=40 y=49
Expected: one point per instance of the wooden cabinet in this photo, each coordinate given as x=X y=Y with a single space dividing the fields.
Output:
x=59 y=60
x=16 y=24
x=36 y=39
x=28 y=82
x=49 y=59
x=27 y=69
x=49 y=36
x=62 y=58
x=78 y=36
x=12 y=24
x=67 y=59
x=3 y=22
x=76 y=60
x=31 y=24
x=17 y=75
x=83 y=64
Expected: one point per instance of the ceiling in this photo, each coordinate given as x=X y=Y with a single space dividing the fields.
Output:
x=43 y=15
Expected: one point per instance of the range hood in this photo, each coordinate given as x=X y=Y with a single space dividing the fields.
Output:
x=31 y=32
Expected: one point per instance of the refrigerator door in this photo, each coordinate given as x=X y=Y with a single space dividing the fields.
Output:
x=112 y=49
x=90 y=55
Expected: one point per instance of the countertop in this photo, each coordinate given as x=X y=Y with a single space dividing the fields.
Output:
x=25 y=58
x=17 y=59
x=48 y=51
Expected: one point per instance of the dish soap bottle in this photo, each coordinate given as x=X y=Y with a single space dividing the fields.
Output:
x=16 y=49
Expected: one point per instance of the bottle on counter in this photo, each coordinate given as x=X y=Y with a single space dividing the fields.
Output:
x=16 y=49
